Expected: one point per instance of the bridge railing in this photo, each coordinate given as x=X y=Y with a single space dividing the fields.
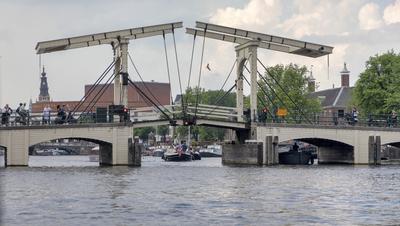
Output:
x=34 y=119
x=226 y=114
x=381 y=120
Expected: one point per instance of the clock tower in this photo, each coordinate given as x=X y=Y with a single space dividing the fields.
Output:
x=44 y=88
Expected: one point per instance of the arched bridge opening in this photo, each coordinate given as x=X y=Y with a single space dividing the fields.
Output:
x=390 y=151
x=73 y=151
x=331 y=151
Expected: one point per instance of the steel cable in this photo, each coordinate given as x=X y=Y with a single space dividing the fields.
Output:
x=295 y=104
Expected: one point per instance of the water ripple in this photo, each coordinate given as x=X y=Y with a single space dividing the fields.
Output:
x=198 y=193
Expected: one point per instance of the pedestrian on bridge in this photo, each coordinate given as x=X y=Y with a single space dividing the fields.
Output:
x=60 y=119
x=355 y=115
x=23 y=114
x=5 y=115
x=46 y=114
x=393 y=118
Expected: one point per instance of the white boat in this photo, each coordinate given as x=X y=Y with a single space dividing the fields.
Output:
x=159 y=152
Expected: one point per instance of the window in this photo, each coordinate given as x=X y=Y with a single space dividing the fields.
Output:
x=341 y=113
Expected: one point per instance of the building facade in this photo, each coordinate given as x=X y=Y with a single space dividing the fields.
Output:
x=102 y=96
x=336 y=101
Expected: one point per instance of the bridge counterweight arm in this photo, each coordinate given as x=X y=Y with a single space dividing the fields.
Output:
x=267 y=41
x=105 y=37
x=302 y=47
x=238 y=40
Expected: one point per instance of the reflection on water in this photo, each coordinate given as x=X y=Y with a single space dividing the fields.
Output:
x=61 y=161
x=196 y=193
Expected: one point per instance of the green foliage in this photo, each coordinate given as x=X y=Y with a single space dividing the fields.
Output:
x=284 y=82
x=143 y=132
x=163 y=130
x=211 y=134
x=377 y=90
x=210 y=97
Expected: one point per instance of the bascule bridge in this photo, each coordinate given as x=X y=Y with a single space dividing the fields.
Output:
x=336 y=143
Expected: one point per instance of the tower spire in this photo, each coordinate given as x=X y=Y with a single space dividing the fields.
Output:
x=44 y=88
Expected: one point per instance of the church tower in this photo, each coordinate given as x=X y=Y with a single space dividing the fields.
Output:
x=311 y=81
x=44 y=88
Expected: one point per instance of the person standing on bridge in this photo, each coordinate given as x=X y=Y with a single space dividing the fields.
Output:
x=46 y=114
x=5 y=115
x=23 y=114
x=354 y=113
x=393 y=118
x=60 y=115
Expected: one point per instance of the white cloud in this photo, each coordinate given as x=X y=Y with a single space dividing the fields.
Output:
x=257 y=13
x=300 y=26
x=369 y=17
x=392 y=13
x=313 y=17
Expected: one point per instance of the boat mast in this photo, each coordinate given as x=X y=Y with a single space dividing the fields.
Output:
x=189 y=138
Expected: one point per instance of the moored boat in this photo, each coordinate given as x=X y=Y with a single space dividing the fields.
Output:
x=211 y=151
x=196 y=155
x=296 y=156
x=158 y=152
x=174 y=156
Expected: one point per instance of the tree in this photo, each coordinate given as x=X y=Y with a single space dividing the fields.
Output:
x=287 y=87
x=163 y=130
x=211 y=134
x=210 y=97
x=377 y=89
x=143 y=132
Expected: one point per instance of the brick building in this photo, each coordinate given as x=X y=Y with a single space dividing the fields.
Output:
x=336 y=101
x=160 y=94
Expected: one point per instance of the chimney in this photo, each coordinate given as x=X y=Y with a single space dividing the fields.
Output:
x=345 y=74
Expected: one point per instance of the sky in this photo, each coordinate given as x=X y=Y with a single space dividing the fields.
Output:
x=357 y=29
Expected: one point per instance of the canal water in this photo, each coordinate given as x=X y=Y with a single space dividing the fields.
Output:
x=70 y=190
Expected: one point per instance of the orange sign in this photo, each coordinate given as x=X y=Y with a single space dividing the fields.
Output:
x=282 y=112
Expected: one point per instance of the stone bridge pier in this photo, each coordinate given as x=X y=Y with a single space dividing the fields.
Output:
x=115 y=141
